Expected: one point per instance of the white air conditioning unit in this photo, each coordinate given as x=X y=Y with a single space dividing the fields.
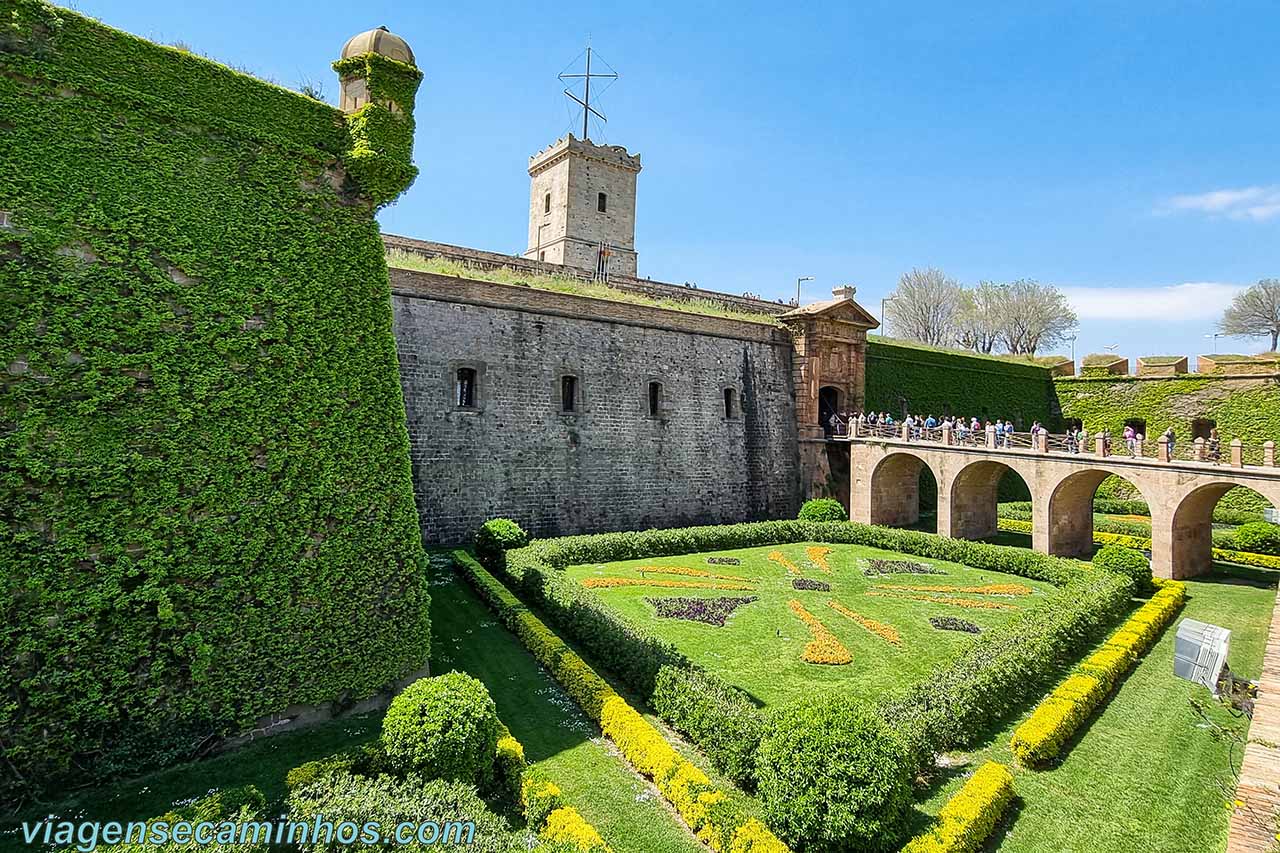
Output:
x=1200 y=653
x=1271 y=514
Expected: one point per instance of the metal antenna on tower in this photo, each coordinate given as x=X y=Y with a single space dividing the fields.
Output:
x=585 y=102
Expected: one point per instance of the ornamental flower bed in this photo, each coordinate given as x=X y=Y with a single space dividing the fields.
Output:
x=606 y=583
x=954 y=623
x=984 y=589
x=899 y=567
x=817 y=555
x=781 y=559
x=809 y=585
x=824 y=648
x=689 y=572
x=888 y=633
x=710 y=611
x=724 y=561
x=954 y=601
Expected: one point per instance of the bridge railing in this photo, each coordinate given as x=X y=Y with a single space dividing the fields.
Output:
x=1201 y=451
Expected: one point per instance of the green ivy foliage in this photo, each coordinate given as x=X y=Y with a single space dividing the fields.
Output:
x=1250 y=412
x=939 y=382
x=204 y=465
x=380 y=156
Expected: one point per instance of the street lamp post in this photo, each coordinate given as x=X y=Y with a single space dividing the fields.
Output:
x=882 y=302
x=800 y=279
x=1073 y=350
x=1215 y=337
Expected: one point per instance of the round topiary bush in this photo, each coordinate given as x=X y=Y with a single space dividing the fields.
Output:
x=1125 y=561
x=823 y=509
x=443 y=728
x=833 y=776
x=1259 y=537
x=495 y=537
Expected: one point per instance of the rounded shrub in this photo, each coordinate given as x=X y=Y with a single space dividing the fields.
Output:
x=823 y=509
x=1125 y=561
x=495 y=537
x=443 y=728
x=833 y=776
x=1259 y=537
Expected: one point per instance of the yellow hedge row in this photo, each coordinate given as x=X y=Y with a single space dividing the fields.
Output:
x=1247 y=558
x=969 y=817
x=566 y=826
x=698 y=802
x=1055 y=720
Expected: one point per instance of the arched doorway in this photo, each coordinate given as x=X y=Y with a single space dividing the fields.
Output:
x=828 y=405
x=973 y=502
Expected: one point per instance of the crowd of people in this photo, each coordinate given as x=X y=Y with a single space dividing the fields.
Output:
x=973 y=431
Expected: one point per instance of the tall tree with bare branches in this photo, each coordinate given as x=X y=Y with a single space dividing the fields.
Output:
x=980 y=317
x=924 y=307
x=1034 y=316
x=1254 y=313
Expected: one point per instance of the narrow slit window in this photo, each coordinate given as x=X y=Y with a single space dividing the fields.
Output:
x=466 y=388
x=568 y=393
x=546 y=203
x=730 y=404
x=602 y=202
x=655 y=399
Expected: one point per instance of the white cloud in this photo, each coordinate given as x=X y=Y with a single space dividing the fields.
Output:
x=1255 y=204
x=1171 y=303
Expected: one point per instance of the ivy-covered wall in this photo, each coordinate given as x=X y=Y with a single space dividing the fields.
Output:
x=204 y=467
x=902 y=376
x=909 y=377
x=1247 y=408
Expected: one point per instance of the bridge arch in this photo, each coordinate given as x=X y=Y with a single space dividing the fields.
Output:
x=1068 y=528
x=972 y=499
x=895 y=489
x=1190 y=533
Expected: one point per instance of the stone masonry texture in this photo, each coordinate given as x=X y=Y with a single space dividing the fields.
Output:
x=609 y=465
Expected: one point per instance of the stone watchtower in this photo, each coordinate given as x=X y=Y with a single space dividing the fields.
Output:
x=582 y=206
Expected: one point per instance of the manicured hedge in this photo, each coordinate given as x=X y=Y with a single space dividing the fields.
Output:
x=444 y=727
x=237 y=805
x=1001 y=669
x=715 y=818
x=208 y=501
x=725 y=723
x=834 y=776
x=823 y=509
x=1125 y=561
x=970 y=816
x=1058 y=717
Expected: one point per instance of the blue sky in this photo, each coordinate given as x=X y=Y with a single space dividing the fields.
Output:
x=1126 y=152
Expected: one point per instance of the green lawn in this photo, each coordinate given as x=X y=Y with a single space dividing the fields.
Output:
x=557 y=737
x=1146 y=774
x=759 y=648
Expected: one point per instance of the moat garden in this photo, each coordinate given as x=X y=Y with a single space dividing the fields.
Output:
x=773 y=686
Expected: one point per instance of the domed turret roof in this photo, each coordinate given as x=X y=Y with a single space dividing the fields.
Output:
x=381 y=41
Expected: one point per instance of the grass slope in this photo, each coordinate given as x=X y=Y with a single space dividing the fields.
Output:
x=1146 y=774
x=557 y=737
x=759 y=647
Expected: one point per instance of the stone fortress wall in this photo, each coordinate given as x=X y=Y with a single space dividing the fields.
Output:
x=609 y=464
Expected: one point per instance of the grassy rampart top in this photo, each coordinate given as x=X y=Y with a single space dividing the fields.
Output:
x=41 y=40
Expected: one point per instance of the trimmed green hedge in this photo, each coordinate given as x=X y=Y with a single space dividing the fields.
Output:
x=204 y=465
x=985 y=683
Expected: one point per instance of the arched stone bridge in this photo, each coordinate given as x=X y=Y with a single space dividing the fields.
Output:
x=884 y=489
